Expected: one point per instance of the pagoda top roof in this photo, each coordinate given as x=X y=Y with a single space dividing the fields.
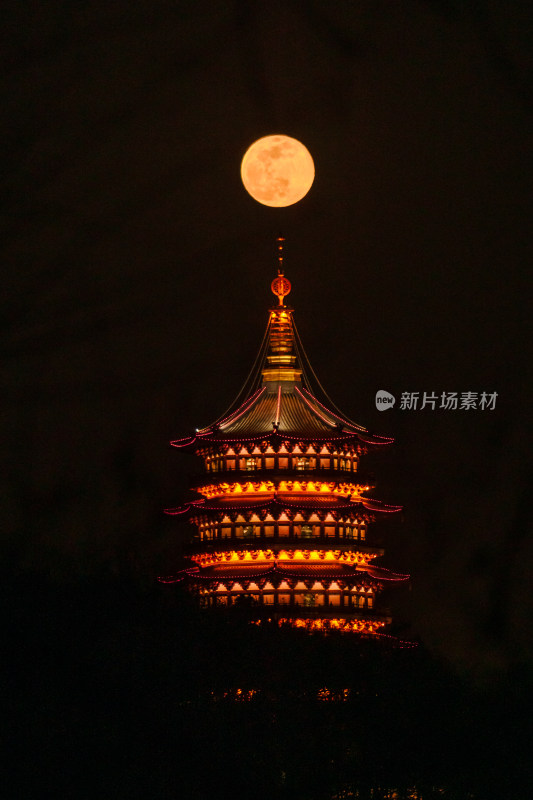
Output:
x=279 y=400
x=288 y=413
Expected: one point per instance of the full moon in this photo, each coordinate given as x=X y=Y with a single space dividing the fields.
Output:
x=277 y=170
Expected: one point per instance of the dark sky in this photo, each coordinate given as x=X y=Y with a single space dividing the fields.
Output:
x=137 y=270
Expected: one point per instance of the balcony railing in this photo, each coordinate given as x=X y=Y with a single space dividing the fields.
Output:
x=198 y=545
x=260 y=475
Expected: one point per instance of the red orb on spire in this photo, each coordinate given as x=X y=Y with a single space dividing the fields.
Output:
x=281 y=287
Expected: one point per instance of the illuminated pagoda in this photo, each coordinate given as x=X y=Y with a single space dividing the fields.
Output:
x=283 y=519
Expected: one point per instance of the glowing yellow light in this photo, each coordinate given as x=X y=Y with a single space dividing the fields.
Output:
x=293 y=487
x=367 y=626
x=287 y=555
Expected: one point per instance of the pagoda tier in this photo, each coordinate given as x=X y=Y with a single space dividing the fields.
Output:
x=282 y=521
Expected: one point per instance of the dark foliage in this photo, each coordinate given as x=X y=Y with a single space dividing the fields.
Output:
x=115 y=691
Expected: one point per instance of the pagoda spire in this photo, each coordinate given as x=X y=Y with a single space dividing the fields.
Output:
x=280 y=240
x=281 y=363
x=280 y=286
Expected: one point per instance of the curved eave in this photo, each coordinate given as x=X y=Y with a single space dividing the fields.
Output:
x=274 y=436
x=178 y=577
x=277 y=502
x=298 y=571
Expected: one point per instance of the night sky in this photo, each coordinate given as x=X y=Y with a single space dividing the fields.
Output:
x=137 y=271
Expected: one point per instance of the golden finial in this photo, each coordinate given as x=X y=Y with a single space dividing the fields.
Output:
x=280 y=286
x=280 y=241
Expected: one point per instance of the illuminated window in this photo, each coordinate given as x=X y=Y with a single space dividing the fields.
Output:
x=248 y=530
x=283 y=463
x=284 y=599
x=324 y=463
x=251 y=464
x=307 y=532
x=303 y=463
x=329 y=530
x=283 y=530
x=268 y=599
x=230 y=463
x=245 y=599
x=269 y=463
x=225 y=533
x=348 y=532
x=334 y=599
x=307 y=599
x=269 y=530
x=362 y=534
